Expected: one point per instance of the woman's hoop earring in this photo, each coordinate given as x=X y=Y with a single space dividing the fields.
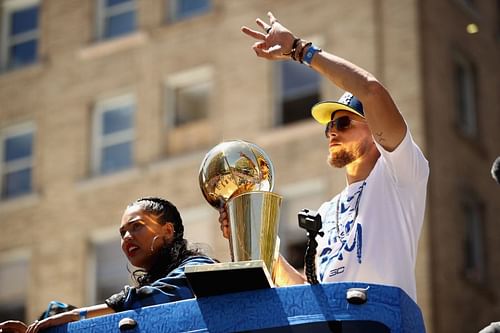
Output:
x=153 y=243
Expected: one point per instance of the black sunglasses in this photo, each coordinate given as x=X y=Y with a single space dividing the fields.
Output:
x=340 y=124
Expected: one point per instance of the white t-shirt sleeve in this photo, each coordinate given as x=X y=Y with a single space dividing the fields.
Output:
x=406 y=163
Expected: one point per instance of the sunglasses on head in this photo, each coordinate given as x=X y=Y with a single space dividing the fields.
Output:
x=340 y=124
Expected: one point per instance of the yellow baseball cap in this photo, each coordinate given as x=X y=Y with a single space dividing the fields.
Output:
x=322 y=112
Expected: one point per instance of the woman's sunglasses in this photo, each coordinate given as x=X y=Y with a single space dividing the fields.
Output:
x=340 y=124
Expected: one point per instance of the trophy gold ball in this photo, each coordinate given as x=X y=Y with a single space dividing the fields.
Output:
x=232 y=168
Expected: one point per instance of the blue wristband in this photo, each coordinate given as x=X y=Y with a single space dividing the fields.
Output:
x=83 y=314
x=311 y=51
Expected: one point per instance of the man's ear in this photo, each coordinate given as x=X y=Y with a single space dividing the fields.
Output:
x=168 y=229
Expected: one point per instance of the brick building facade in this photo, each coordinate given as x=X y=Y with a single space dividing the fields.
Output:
x=102 y=102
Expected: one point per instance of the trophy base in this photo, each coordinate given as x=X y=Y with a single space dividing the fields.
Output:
x=230 y=277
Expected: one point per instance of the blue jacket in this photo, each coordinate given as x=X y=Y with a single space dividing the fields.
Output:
x=173 y=287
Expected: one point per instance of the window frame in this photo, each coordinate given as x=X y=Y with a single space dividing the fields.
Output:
x=100 y=141
x=103 y=13
x=8 y=8
x=18 y=164
x=185 y=79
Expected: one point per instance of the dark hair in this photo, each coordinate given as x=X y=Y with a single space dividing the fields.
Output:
x=171 y=255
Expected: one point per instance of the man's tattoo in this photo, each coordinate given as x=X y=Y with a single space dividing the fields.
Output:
x=379 y=137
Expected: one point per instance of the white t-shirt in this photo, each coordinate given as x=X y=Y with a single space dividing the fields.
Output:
x=379 y=222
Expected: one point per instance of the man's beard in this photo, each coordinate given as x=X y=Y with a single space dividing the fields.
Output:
x=340 y=158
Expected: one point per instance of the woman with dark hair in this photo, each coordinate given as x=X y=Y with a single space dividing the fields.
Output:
x=152 y=238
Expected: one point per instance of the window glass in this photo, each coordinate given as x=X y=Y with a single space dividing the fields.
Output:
x=120 y=24
x=24 y=20
x=474 y=241
x=297 y=78
x=192 y=102
x=23 y=53
x=117 y=120
x=300 y=90
x=115 y=2
x=116 y=18
x=116 y=157
x=13 y=286
x=299 y=196
x=16 y=183
x=111 y=270
x=188 y=8
x=465 y=92
x=18 y=146
x=16 y=164
x=114 y=135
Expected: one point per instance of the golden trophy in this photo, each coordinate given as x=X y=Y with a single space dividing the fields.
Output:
x=240 y=176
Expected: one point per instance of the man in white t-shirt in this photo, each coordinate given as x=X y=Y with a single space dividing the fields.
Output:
x=371 y=228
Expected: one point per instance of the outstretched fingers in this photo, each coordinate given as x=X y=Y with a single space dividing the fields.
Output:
x=263 y=25
x=253 y=33
x=272 y=19
x=273 y=43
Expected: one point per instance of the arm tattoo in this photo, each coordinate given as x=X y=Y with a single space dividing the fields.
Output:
x=379 y=137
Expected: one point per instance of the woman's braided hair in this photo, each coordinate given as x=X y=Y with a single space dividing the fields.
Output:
x=171 y=255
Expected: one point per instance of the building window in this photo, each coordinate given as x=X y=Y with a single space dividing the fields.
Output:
x=109 y=270
x=16 y=164
x=20 y=21
x=466 y=95
x=113 y=135
x=299 y=90
x=14 y=274
x=188 y=100
x=182 y=9
x=475 y=268
x=306 y=194
x=188 y=96
x=191 y=102
x=115 y=18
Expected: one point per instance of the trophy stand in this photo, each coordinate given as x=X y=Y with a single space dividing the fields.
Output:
x=228 y=277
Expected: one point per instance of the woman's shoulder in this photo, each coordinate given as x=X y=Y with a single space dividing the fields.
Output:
x=198 y=259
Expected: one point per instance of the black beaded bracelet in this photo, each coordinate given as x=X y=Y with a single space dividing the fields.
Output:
x=294 y=48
